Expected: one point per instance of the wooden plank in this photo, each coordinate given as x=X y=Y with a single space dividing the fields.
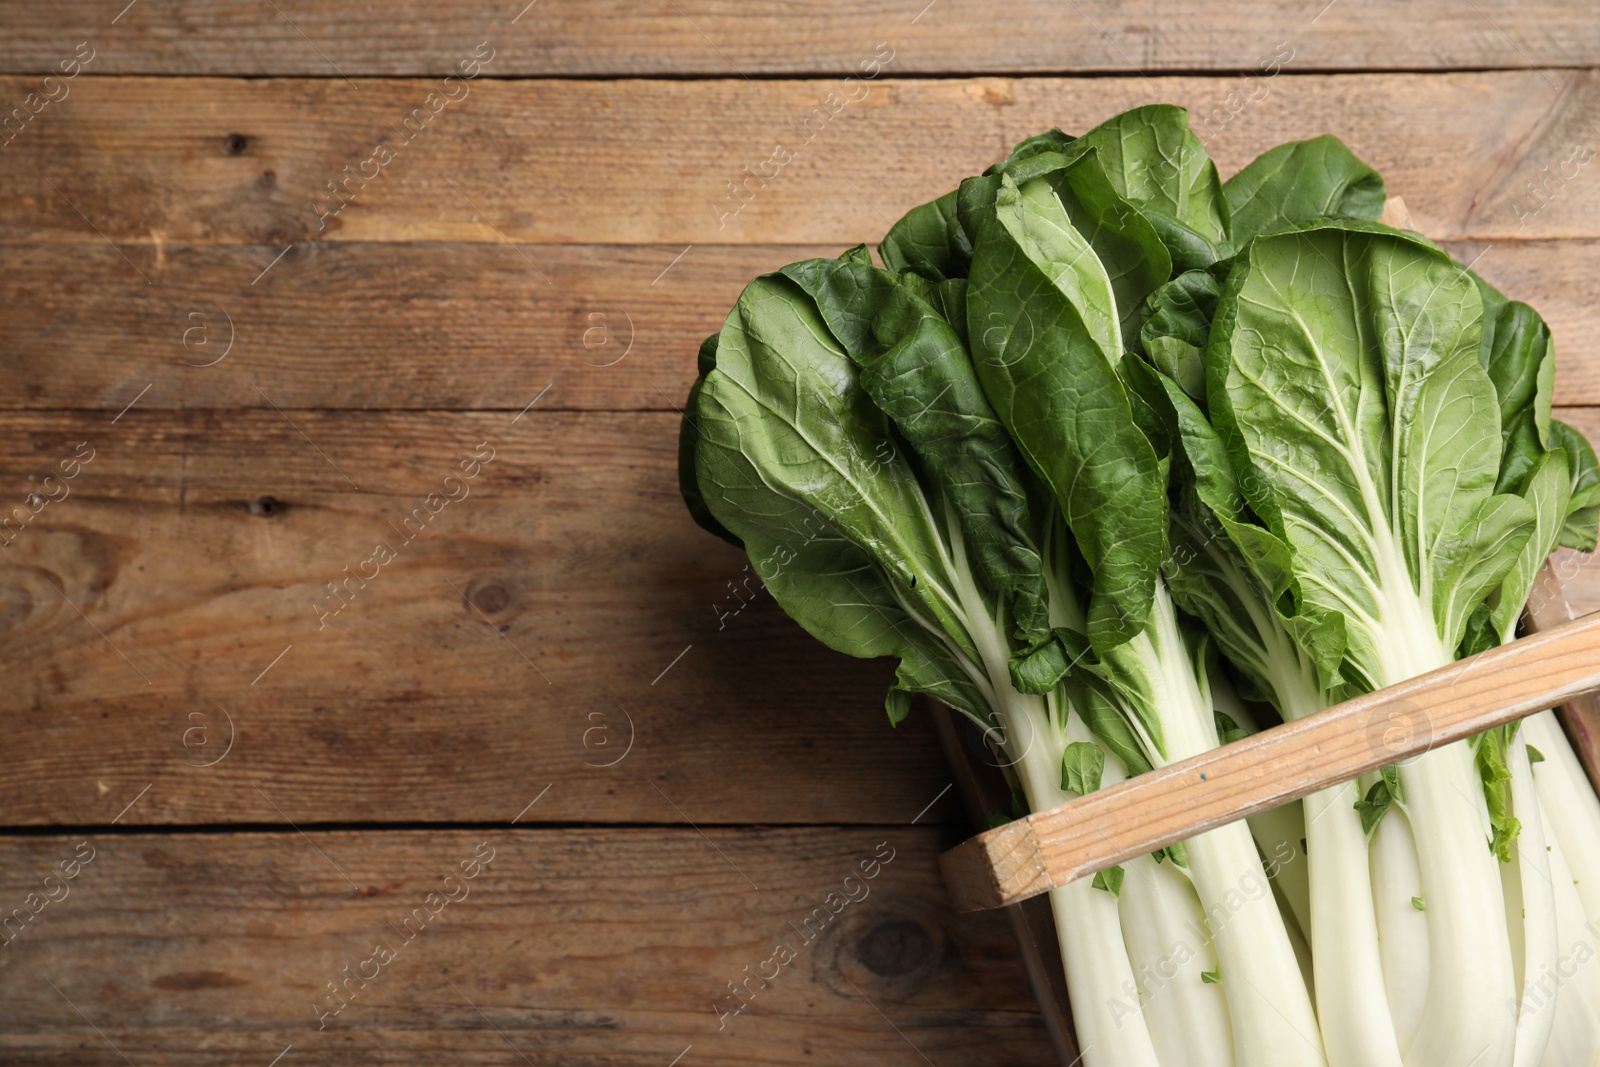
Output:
x=1176 y=802
x=149 y=161
x=720 y=37
x=181 y=581
x=476 y=329
x=617 y=329
x=201 y=544
x=575 y=947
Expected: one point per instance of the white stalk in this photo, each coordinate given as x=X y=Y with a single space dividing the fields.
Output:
x=1111 y=1029
x=1170 y=949
x=1353 y=1007
x=1574 y=983
x=1357 y=1025
x=1469 y=947
x=1278 y=834
x=1569 y=803
x=1469 y=952
x=1106 y=1013
x=1274 y=1024
x=1402 y=930
x=1536 y=918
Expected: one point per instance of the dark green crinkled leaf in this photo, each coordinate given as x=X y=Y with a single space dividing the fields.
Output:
x=929 y=241
x=1122 y=237
x=1294 y=183
x=791 y=460
x=688 y=441
x=1046 y=342
x=1156 y=161
x=916 y=370
x=1176 y=327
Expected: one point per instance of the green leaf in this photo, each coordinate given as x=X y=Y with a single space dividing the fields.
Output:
x=1231 y=574
x=1534 y=755
x=1489 y=754
x=1419 y=904
x=1211 y=977
x=1584 y=505
x=1108 y=717
x=929 y=241
x=1126 y=243
x=1521 y=365
x=1081 y=767
x=1046 y=343
x=688 y=442
x=1344 y=365
x=916 y=370
x=1110 y=880
x=1154 y=160
x=1548 y=489
x=1228 y=731
x=1295 y=183
x=789 y=459
x=1177 y=326
x=1391 y=780
x=1375 y=805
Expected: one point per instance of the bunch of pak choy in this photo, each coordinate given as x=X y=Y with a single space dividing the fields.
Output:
x=1124 y=462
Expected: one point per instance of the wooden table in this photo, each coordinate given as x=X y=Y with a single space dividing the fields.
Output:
x=224 y=387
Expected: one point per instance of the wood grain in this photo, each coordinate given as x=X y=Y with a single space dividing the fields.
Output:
x=577 y=946
x=146 y=161
x=721 y=37
x=462 y=325
x=1266 y=770
x=199 y=546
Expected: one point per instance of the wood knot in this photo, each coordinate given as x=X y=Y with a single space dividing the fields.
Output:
x=895 y=948
x=235 y=143
x=266 y=507
x=490 y=598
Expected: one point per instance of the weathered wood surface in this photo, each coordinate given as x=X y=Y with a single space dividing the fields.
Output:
x=722 y=37
x=410 y=704
x=147 y=161
x=572 y=946
x=199 y=546
x=468 y=326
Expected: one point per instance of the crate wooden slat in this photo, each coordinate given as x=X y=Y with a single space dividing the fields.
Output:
x=1172 y=803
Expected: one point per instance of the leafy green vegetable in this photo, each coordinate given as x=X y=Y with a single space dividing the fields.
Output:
x=1110 y=455
x=1300 y=182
